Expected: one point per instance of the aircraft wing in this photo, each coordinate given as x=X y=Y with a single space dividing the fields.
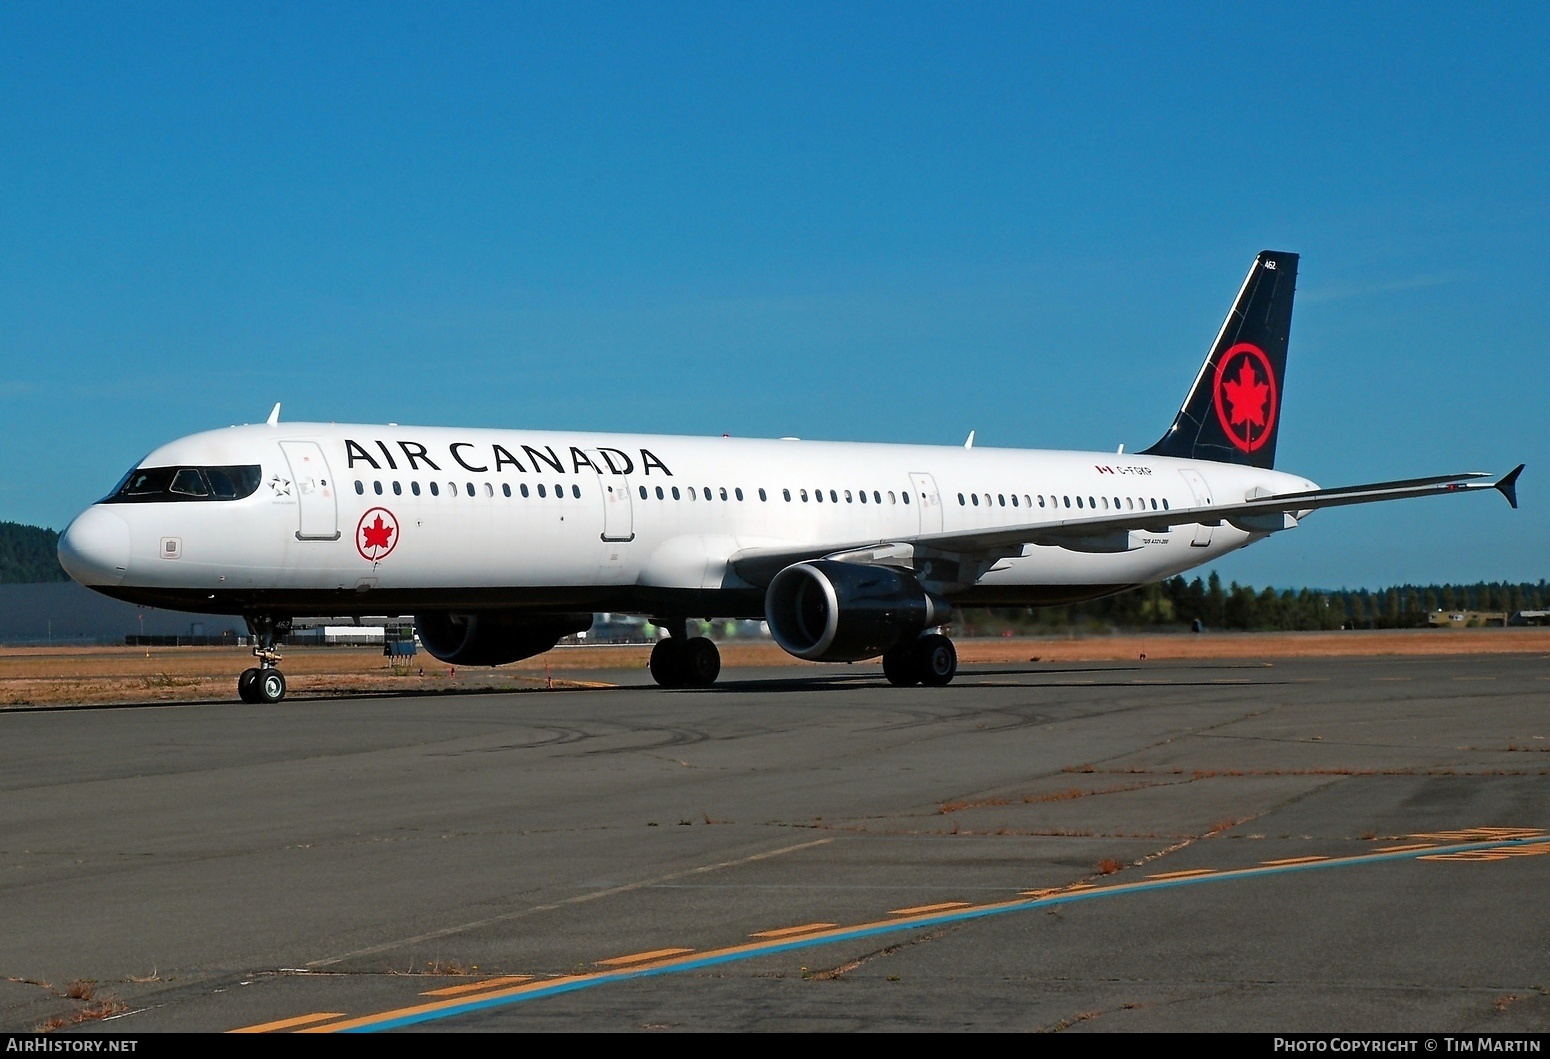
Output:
x=1109 y=532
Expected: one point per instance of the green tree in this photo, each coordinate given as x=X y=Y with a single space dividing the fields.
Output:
x=29 y=554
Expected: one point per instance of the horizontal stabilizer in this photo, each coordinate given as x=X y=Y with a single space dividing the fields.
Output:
x=1508 y=486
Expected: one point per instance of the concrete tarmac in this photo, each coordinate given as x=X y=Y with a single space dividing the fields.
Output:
x=1310 y=845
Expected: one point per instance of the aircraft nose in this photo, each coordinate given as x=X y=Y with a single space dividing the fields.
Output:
x=94 y=549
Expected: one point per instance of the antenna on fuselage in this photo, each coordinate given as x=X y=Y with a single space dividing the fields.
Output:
x=274 y=415
x=969 y=444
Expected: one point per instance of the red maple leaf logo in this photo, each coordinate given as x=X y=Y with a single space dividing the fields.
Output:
x=1248 y=397
x=377 y=534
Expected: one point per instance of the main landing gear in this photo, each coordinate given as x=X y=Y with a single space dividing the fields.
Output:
x=931 y=660
x=681 y=661
x=264 y=683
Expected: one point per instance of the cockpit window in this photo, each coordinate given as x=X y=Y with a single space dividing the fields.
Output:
x=163 y=484
x=189 y=482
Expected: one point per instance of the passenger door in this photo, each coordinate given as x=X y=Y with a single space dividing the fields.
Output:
x=930 y=501
x=315 y=491
x=1202 y=494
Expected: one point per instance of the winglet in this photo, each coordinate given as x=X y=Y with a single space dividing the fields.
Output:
x=1508 y=486
x=274 y=417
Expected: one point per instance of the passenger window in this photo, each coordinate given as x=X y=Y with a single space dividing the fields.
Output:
x=505 y=488
x=675 y=493
x=470 y=487
x=834 y=498
x=435 y=489
x=414 y=487
x=360 y=488
x=818 y=496
x=541 y=493
x=1154 y=504
x=575 y=491
x=398 y=490
x=877 y=497
x=1078 y=501
x=376 y=487
x=961 y=501
x=890 y=497
x=906 y=497
x=804 y=496
x=847 y=497
x=861 y=495
x=522 y=489
x=1041 y=499
x=1165 y=503
x=1001 y=499
x=659 y=493
x=643 y=494
x=787 y=494
x=762 y=497
x=1067 y=499
x=976 y=498
x=1014 y=499
x=738 y=493
x=724 y=493
x=489 y=490
x=709 y=497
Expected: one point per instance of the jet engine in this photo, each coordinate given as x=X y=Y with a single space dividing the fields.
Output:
x=828 y=611
x=494 y=637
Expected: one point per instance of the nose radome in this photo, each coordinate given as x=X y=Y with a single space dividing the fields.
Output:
x=94 y=549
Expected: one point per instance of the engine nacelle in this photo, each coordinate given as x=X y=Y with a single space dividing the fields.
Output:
x=494 y=637
x=828 y=611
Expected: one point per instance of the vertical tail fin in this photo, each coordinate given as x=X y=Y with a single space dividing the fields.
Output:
x=1233 y=412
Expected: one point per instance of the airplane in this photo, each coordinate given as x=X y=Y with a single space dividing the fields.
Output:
x=500 y=542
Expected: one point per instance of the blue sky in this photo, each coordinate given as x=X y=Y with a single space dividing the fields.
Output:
x=893 y=222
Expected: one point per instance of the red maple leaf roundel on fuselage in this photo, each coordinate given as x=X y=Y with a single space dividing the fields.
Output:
x=376 y=534
x=1245 y=396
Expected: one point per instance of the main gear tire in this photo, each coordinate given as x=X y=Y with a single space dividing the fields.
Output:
x=901 y=666
x=701 y=662
x=667 y=664
x=938 y=660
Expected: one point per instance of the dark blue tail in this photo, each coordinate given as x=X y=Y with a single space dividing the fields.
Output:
x=1233 y=412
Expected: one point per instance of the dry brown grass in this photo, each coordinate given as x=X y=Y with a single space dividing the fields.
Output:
x=1108 y=866
x=107 y=1007
x=451 y=968
x=47 y=675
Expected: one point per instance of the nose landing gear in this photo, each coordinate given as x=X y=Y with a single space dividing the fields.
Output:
x=264 y=683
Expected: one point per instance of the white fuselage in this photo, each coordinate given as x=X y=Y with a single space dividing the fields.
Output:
x=544 y=520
